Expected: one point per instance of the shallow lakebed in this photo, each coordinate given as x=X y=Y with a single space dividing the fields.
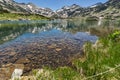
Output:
x=46 y=43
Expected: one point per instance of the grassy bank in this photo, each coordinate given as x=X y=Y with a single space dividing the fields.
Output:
x=16 y=16
x=100 y=62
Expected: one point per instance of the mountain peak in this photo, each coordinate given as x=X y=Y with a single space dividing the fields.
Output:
x=74 y=5
x=97 y=4
x=31 y=5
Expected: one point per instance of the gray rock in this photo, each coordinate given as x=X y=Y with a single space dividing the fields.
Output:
x=17 y=73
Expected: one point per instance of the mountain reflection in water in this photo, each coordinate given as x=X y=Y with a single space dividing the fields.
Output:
x=43 y=43
x=9 y=32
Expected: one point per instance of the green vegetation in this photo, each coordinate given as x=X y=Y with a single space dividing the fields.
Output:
x=115 y=36
x=17 y=16
x=62 y=73
x=100 y=62
x=91 y=18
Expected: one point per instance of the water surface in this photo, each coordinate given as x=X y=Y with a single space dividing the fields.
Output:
x=43 y=43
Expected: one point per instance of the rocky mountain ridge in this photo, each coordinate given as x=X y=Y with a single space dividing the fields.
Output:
x=107 y=9
x=14 y=7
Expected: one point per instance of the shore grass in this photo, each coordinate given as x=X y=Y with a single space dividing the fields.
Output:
x=16 y=16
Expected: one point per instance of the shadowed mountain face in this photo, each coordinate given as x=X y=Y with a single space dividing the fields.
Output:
x=111 y=7
x=113 y=3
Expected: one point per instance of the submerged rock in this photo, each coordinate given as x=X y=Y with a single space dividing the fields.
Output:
x=7 y=70
x=51 y=52
x=52 y=49
x=17 y=74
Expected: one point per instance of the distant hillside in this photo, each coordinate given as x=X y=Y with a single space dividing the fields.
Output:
x=14 y=7
x=109 y=9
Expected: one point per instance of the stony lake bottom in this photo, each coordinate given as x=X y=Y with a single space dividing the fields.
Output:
x=36 y=44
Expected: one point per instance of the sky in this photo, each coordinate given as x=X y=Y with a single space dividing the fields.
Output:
x=57 y=4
